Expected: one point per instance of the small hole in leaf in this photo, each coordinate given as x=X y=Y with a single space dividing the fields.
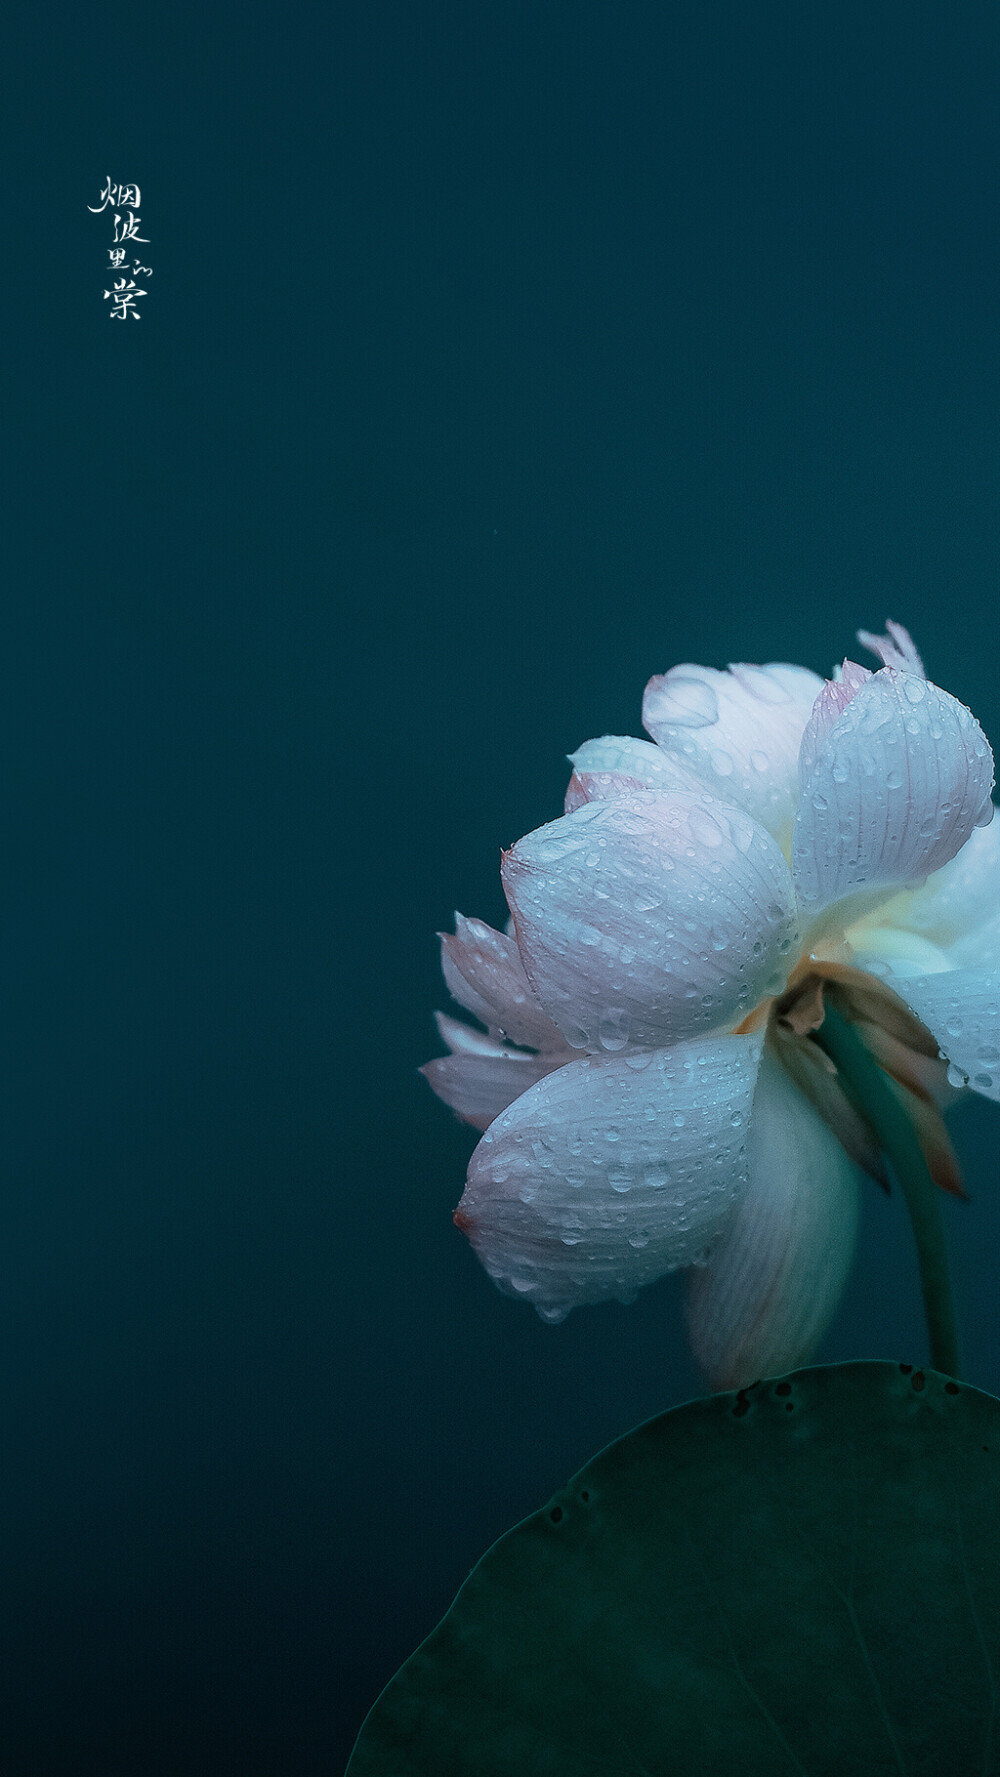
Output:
x=585 y=1496
x=556 y=1514
x=906 y=1368
x=918 y=1381
x=789 y=1406
x=742 y=1405
x=783 y=1388
x=952 y=1388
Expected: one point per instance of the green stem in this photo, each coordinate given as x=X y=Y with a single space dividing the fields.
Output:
x=873 y=1095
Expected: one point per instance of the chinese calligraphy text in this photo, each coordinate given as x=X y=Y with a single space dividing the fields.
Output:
x=123 y=200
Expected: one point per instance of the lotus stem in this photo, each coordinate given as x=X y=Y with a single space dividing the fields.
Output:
x=873 y=1095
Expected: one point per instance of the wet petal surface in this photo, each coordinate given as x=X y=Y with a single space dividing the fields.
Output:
x=961 y=1009
x=898 y=785
x=738 y=731
x=643 y=919
x=611 y=1172
x=485 y=974
x=622 y=759
x=478 y=1082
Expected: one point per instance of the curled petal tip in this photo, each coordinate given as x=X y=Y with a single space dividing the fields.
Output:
x=896 y=648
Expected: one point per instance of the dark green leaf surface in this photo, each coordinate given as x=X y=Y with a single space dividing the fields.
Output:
x=802 y=1577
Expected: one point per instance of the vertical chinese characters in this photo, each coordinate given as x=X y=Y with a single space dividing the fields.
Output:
x=123 y=201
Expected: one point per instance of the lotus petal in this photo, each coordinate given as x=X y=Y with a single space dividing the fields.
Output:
x=769 y=1291
x=611 y=1172
x=643 y=919
x=899 y=784
x=738 y=731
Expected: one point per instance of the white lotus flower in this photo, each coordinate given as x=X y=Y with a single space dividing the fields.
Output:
x=649 y=1092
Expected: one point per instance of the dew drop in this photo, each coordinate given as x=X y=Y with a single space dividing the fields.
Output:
x=703 y=828
x=639 y=1059
x=612 y=1030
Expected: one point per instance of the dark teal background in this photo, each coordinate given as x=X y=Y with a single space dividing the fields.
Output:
x=496 y=356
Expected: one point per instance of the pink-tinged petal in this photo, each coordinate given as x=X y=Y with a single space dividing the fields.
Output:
x=597 y=786
x=827 y=710
x=623 y=757
x=769 y=1291
x=464 y=1039
x=957 y=901
x=644 y=919
x=900 y=782
x=611 y=1172
x=961 y=1010
x=738 y=731
x=478 y=1085
x=484 y=972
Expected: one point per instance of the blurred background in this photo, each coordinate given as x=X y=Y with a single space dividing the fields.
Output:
x=494 y=357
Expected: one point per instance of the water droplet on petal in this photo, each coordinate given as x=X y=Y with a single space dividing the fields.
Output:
x=704 y=828
x=612 y=1030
